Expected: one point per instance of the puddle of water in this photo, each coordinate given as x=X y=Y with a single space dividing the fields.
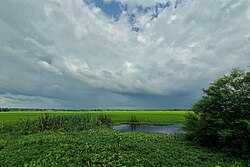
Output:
x=170 y=129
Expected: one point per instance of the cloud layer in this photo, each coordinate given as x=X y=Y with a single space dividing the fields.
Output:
x=66 y=54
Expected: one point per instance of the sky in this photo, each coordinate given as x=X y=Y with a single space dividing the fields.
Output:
x=118 y=54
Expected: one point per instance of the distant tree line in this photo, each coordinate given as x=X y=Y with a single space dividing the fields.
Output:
x=4 y=109
x=52 y=109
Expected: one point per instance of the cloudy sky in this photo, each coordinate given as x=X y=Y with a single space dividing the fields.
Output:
x=140 y=54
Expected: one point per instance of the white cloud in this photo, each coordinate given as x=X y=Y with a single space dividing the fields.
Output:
x=48 y=41
x=141 y=2
x=248 y=14
x=49 y=67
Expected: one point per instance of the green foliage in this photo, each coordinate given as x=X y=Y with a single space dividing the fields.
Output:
x=77 y=140
x=221 y=117
x=104 y=119
x=103 y=147
x=48 y=122
x=133 y=120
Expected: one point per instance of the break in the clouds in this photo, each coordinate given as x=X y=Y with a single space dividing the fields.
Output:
x=144 y=3
x=73 y=54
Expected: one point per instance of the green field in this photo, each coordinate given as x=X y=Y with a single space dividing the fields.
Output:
x=103 y=147
x=147 y=117
x=73 y=139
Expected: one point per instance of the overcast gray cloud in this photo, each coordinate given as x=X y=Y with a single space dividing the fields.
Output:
x=65 y=54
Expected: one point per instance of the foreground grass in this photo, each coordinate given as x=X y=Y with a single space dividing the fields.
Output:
x=146 y=117
x=85 y=140
x=104 y=147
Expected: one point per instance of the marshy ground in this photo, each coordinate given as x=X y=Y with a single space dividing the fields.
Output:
x=92 y=143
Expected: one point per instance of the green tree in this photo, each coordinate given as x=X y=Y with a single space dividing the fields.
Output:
x=221 y=118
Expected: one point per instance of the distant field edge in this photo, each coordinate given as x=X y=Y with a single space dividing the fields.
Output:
x=146 y=117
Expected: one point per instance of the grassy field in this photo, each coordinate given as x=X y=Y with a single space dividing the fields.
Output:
x=104 y=147
x=72 y=139
x=147 y=117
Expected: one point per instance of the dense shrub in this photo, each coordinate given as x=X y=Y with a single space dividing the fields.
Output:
x=221 y=118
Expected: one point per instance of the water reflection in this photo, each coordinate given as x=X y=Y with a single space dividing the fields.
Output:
x=170 y=129
x=133 y=127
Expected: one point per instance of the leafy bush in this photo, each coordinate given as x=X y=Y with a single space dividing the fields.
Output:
x=221 y=118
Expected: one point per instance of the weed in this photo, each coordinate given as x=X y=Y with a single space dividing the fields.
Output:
x=104 y=119
x=49 y=122
x=133 y=120
x=102 y=147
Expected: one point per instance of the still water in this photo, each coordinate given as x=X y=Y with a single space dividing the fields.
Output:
x=170 y=129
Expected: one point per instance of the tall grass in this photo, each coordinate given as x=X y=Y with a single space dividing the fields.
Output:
x=104 y=119
x=54 y=122
x=133 y=120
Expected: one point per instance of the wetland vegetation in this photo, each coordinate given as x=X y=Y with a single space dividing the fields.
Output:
x=87 y=140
